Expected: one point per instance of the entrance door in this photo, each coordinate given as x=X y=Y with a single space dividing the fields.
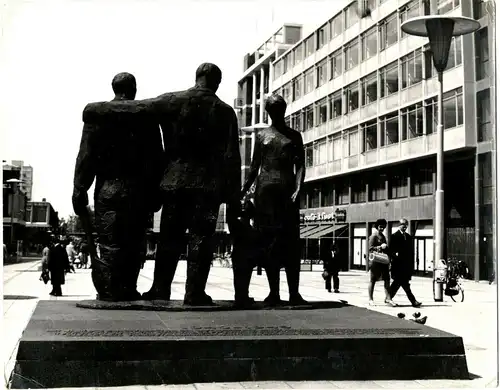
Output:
x=357 y=253
x=363 y=252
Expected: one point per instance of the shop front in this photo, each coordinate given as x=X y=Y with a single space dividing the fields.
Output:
x=318 y=229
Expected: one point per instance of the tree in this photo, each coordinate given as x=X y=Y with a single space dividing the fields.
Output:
x=74 y=224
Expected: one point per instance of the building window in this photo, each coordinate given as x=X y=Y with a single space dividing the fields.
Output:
x=309 y=156
x=352 y=95
x=369 y=44
x=369 y=89
x=337 y=147
x=297 y=121
x=482 y=54
x=288 y=121
x=336 y=64
x=298 y=53
x=309 y=46
x=321 y=73
x=336 y=26
x=411 y=69
x=369 y=135
x=288 y=65
x=377 y=187
x=351 y=142
x=388 y=31
x=278 y=69
x=358 y=190
x=480 y=8
x=409 y=11
x=287 y=92
x=327 y=194
x=335 y=101
x=445 y=6
x=309 y=80
x=329 y=149
x=453 y=108
x=455 y=55
x=399 y=185
x=342 y=193
x=308 y=117
x=483 y=104
x=352 y=54
x=351 y=15
x=298 y=87
x=321 y=111
x=322 y=152
x=430 y=115
x=486 y=176
x=422 y=183
x=321 y=37
x=412 y=122
x=389 y=129
x=389 y=79
x=314 y=198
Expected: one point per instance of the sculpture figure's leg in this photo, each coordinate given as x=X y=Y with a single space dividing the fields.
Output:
x=242 y=274
x=292 y=265
x=205 y=211
x=170 y=246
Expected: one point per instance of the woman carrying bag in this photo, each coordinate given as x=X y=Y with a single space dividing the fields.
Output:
x=378 y=254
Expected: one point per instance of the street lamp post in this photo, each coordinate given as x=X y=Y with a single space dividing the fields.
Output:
x=12 y=183
x=439 y=30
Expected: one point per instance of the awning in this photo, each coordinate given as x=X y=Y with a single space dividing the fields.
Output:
x=325 y=229
x=306 y=228
x=314 y=231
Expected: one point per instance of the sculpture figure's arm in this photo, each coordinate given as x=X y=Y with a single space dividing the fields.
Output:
x=300 y=169
x=152 y=108
x=254 y=166
x=157 y=166
x=85 y=168
x=233 y=161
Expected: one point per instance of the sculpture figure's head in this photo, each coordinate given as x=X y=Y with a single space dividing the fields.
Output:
x=209 y=76
x=124 y=86
x=276 y=107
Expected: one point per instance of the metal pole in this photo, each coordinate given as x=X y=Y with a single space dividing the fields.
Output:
x=439 y=224
x=12 y=218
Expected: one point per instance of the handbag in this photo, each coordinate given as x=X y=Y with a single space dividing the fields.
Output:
x=325 y=274
x=378 y=257
x=45 y=277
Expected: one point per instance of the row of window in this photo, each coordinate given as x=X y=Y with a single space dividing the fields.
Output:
x=409 y=70
x=407 y=123
x=360 y=189
x=386 y=33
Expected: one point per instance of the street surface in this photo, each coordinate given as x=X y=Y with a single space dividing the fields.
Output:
x=475 y=319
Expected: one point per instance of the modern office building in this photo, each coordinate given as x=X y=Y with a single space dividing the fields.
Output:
x=364 y=96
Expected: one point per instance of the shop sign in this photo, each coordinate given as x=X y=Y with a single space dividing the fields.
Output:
x=338 y=216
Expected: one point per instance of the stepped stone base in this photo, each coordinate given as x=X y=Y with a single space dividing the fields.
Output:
x=69 y=346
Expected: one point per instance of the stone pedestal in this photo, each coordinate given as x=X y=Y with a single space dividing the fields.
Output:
x=69 y=346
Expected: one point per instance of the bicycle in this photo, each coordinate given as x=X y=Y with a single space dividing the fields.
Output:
x=456 y=271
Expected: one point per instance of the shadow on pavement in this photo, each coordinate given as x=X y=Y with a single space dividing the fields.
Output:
x=18 y=297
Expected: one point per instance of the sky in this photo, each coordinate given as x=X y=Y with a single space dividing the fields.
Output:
x=58 y=55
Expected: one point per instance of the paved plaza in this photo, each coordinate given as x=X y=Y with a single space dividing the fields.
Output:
x=475 y=319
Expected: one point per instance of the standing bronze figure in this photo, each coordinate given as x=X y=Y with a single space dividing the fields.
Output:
x=278 y=169
x=202 y=171
x=124 y=154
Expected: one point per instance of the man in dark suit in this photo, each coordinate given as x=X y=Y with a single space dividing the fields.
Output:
x=203 y=170
x=401 y=248
x=125 y=156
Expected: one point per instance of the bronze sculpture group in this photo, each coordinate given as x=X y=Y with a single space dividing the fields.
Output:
x=190 y=174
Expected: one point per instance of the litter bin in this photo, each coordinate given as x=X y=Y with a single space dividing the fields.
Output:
x=439 y=279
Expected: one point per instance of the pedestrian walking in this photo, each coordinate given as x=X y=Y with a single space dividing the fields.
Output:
x=71 y=252
x=330 y=257
x=402 y=253
x=58 y=265
x=379 y=262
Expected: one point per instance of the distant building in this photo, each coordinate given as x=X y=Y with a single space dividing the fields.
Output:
x=41 y=222
x=22 y=172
